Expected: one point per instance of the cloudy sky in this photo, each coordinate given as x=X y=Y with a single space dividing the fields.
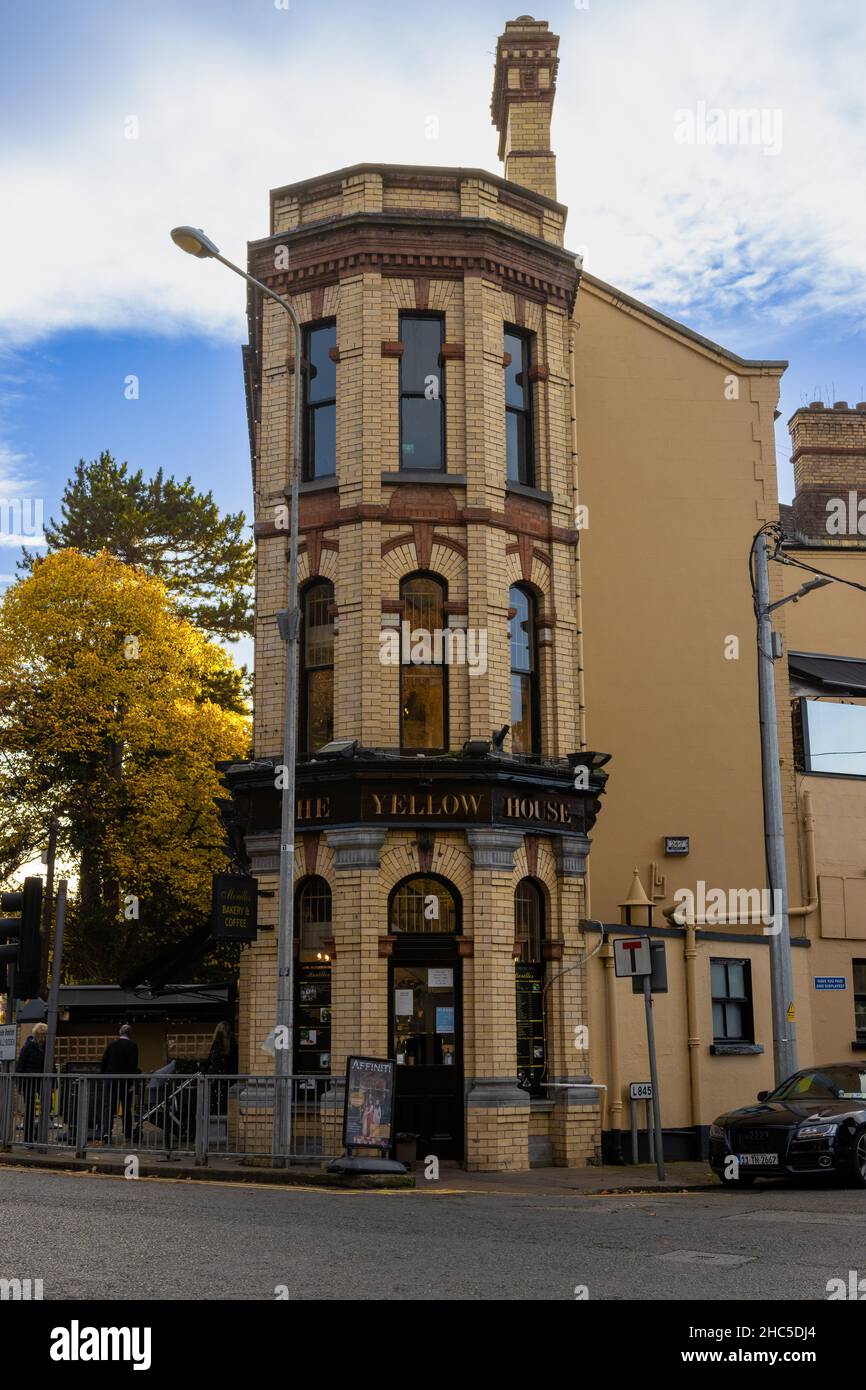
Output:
x=759 y=246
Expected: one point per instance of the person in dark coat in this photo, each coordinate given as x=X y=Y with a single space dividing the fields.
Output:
x=31 y=1063
x=120 y=1059
x=222 y=1058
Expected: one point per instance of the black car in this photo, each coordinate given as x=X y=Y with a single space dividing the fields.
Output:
x=815 y=1122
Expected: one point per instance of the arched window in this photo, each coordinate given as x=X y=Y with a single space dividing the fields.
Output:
x=423 y=677
x=317 y=666
x=529 y=984
x=528 y=920
x=423 y=905
x=313 y=933
x=525 y=733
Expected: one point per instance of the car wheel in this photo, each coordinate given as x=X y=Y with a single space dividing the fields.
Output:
x=857 y=1171
x=742 y=1179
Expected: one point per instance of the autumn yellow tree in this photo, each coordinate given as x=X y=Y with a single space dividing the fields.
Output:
x=113 y=716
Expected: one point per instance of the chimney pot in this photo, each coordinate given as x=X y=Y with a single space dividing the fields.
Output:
x=840 y=405
x=816 y=405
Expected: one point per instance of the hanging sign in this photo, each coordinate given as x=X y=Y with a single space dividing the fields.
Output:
x=234 y=907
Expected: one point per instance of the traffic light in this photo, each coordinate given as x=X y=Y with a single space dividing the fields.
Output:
x=21 y=939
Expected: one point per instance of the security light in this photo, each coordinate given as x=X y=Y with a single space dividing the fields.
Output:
x=340 y=748
x=476 y=748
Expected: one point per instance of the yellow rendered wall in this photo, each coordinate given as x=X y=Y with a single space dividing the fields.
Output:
x=677 y=478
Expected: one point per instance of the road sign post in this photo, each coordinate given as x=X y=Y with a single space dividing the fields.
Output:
x=654 y=1077
x=633 y=959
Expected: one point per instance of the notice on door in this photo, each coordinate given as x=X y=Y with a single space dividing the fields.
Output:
x=444 y=1020
x=403 y=1001
x=440 y=979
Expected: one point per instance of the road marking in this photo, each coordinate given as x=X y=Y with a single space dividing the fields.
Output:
x=193 y=1183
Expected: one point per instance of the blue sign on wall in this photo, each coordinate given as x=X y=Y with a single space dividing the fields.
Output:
x=829 y=981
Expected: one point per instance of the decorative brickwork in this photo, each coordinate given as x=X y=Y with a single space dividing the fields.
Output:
x=364 y=245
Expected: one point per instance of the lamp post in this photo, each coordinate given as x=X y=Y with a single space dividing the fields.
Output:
x=769 y=649
x=194 y=241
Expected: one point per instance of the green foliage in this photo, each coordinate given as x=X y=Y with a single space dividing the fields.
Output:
x=114 y=713
x=167 y=529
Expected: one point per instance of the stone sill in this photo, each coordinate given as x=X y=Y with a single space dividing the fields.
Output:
x=736 y=1049
x=521 y=490
x=315 y=485
x=422 y=475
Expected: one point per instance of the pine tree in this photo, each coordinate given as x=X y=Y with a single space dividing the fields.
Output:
x=167 y=529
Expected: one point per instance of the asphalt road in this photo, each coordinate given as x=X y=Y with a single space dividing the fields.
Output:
x=95 y=1237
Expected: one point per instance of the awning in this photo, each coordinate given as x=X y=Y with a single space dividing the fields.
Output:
x=835 y=675
x=92 y=1003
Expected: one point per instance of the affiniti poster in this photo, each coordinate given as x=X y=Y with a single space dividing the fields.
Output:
x=368 y=1117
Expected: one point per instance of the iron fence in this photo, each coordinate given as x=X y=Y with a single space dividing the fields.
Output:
x=198 y=1116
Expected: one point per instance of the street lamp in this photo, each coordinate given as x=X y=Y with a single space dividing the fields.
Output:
x=194 y=241
x=781 y=966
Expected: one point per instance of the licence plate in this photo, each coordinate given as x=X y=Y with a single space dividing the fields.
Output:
x=758 y=1160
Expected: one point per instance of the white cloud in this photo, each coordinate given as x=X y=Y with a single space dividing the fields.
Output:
x=720 y=228
x=216 y=132
x=712 y=232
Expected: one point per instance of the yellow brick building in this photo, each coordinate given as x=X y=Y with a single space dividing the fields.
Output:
x=439 y=871
x=559 y=486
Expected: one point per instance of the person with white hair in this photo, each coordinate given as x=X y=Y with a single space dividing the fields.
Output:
x=30 y=1064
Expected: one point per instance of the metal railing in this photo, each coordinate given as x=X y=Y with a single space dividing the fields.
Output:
x=198 y=1116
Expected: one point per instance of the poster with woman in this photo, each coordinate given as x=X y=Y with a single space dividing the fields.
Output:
x=368 y=1117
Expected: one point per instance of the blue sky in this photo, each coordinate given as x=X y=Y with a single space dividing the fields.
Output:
x=762 y=251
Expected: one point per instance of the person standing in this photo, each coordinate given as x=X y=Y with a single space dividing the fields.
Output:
x=222 y=1058
x=30 y=1064
x=119 y=1061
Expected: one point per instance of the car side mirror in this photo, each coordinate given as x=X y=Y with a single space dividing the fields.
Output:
x=762 y=1095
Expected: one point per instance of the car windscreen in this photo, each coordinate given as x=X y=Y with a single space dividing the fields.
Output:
x=824 y=1083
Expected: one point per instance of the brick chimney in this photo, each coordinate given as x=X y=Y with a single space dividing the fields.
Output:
x=524 y=85
x=829 y=458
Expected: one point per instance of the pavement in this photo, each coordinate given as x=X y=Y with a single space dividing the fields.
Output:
x=540 y=1236
x=680 y=1177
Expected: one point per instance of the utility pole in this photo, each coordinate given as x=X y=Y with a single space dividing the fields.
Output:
x=654 y=1077
x=781 y=970
x=48 y=906
x=195 y=243
x=53 y=1010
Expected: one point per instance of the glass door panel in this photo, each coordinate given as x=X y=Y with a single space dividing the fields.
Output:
x=424 y=1016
